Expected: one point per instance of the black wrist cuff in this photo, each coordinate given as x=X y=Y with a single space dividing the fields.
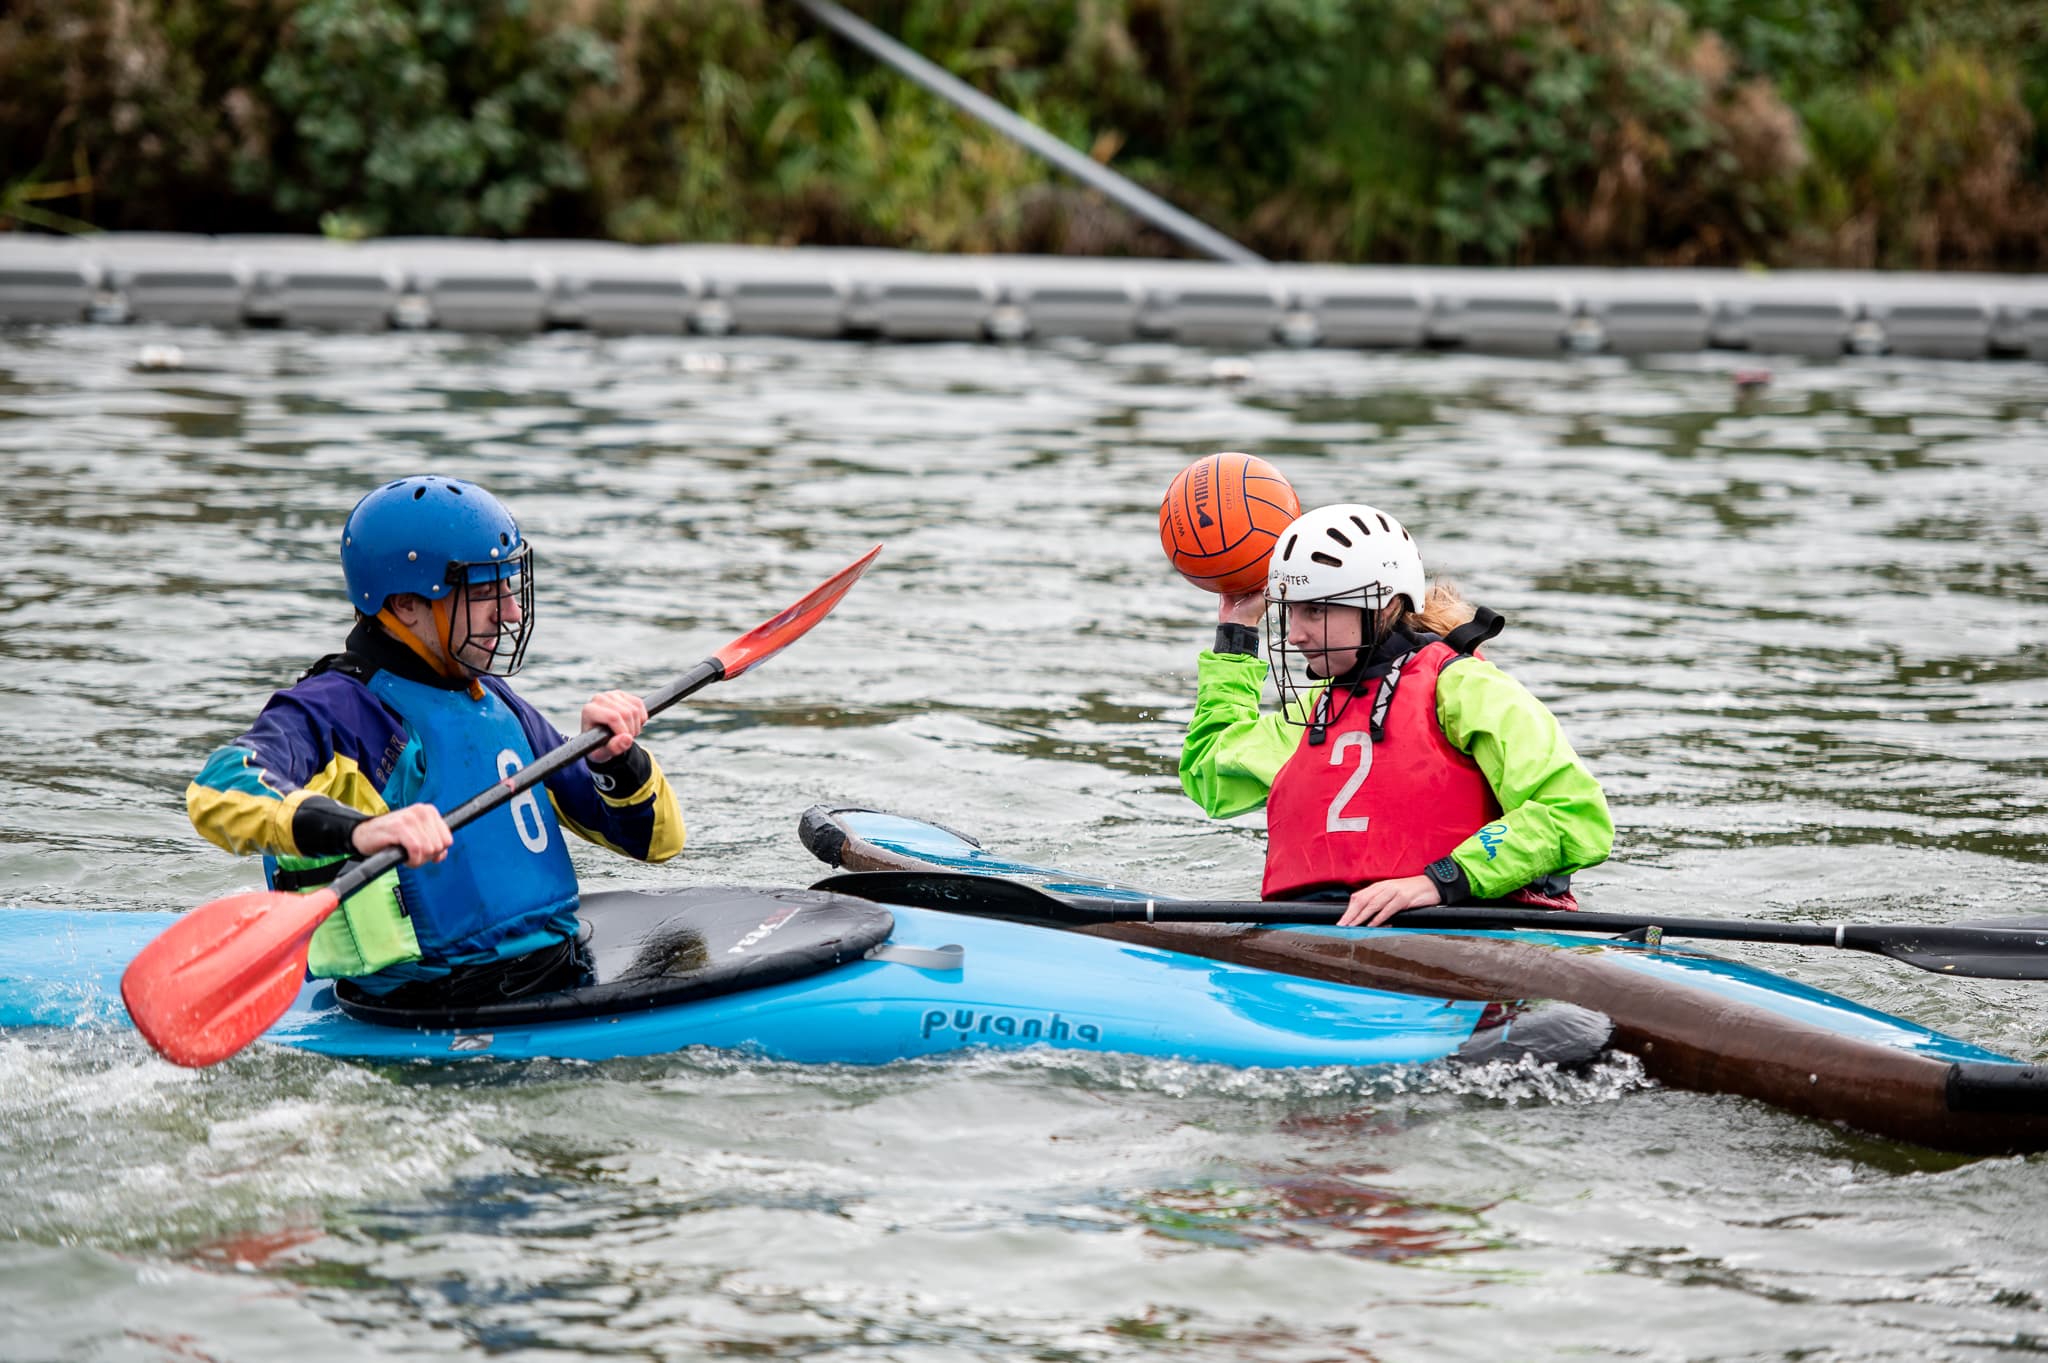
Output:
x=1451 y=885
x=1237 y=639
x=323 y=827
x=624 y=774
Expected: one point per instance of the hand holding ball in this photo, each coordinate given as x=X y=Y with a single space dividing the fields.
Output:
x=1220 y=519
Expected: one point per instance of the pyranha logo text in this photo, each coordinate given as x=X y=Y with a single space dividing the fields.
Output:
x=971 y=1022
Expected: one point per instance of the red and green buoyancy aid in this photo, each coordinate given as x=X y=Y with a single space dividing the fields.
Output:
x=1346 y=810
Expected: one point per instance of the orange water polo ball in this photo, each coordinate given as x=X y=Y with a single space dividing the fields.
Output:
x=1220 y=518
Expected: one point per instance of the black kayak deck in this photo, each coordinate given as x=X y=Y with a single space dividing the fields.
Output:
x=653 y=948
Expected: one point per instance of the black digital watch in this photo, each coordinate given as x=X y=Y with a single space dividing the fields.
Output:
x=1449 y=878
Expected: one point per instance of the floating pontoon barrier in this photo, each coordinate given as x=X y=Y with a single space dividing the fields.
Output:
x=527 y=286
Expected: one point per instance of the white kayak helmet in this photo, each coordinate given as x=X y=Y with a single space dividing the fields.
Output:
x=1349 y=553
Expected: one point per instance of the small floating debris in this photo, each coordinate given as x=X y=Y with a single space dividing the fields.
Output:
x=412 y=313
x=1751 y=380
x=160 y=358
x=1230 y=369
x=1585 y=336
x=1300 y=329
x=1007 y=322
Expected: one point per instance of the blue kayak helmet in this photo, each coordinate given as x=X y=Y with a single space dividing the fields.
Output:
x=451 y=544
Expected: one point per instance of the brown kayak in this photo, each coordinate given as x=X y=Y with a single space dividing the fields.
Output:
x=1695 y=1021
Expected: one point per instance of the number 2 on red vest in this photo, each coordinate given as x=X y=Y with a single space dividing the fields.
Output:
x=1338 y=821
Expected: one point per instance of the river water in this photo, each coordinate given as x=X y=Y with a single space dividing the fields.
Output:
x=1800 y=632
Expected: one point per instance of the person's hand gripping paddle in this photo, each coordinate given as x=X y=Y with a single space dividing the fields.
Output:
x=217 y=978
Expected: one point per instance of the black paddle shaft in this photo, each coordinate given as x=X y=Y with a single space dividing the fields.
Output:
x=1990 y=953
x=528 y=776
x=2019 y=953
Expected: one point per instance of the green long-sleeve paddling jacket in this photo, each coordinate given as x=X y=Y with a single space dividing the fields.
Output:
x=1555 y=818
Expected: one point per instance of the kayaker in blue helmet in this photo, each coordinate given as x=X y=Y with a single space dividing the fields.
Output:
x=413 y=716
x=1402 y=769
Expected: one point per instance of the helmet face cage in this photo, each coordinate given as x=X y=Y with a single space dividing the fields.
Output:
x=1299 y=672
x=483 y=634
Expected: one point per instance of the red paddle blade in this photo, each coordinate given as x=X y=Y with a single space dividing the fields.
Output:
x=769 y=638
x=216 y=979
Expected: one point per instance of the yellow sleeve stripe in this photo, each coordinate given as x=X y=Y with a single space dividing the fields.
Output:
x=666 y=838
x=562 y=818
x=287 y=809
x=343 y=781
x=237 y=821
x=242 y=822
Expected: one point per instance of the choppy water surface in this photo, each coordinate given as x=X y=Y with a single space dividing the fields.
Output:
x=1802 y=635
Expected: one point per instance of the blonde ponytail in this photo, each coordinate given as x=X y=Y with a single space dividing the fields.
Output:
x=1443 y=610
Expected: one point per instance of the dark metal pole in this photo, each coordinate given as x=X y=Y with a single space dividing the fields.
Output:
x=1086 y=169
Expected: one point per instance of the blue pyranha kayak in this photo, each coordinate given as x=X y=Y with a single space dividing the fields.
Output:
x=800 y=976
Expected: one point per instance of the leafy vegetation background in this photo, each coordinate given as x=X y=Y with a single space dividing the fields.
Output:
x=1855 y=133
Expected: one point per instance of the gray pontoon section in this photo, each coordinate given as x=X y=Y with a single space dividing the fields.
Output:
x=46 y=279
x=526 y=286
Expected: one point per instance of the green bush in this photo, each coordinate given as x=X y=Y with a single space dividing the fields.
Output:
x=436 y=117
x=133 y=101
x=1926 y=165
x=1526 y=131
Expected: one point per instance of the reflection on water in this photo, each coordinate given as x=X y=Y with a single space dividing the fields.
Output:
x=1335 y=1211
x=1800 y=631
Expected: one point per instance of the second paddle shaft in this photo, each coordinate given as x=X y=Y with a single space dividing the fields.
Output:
x=1866 y=937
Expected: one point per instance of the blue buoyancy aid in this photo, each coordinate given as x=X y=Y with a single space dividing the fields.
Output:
x=508 y=875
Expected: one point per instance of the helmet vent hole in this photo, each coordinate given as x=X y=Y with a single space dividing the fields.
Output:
x=1287 y=550
x=1338 y=535
x=454 y=489
x=1327 y=560
x=1363 y=528
x=504 y=538
x=418 y=493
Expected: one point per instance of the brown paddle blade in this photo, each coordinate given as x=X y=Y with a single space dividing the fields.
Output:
x=770 y=637
x=217 y=978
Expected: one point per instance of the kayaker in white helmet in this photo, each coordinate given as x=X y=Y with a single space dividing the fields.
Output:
x=1402 y=769
x=367 y=747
